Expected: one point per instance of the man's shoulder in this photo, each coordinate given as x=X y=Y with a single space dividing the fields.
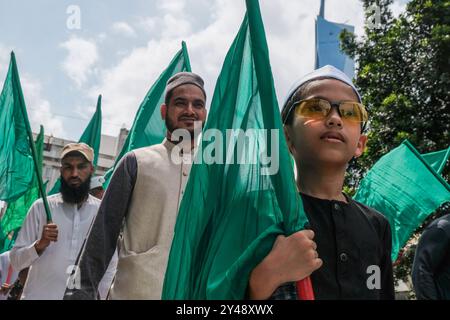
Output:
x=53 y=199
x=56 y=200
x=156 y=148
x=94 y=201
x=441 y=223
x=152 y=153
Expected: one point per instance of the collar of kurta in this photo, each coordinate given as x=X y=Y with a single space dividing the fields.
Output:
x=185 y=146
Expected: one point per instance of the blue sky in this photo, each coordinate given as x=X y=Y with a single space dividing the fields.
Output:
x=122 y=47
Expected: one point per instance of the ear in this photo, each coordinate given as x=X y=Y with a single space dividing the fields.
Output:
x=288 y=139
x=361 y=146
x=92 y=168
x=163 y=111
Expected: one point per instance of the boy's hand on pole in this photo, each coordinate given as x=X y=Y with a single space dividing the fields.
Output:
x=292 y=258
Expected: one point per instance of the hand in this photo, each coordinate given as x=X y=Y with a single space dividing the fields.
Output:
x=292 y=258
x=49 y=234
x=4 y=289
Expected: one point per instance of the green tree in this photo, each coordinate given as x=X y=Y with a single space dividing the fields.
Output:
x=403 y=71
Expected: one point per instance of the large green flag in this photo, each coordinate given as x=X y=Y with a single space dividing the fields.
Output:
x=16 y=161
x=232 y=212
x=17 y=138
x=148 y=127
x=91 y=136
x=406 y=189
x=17 y=210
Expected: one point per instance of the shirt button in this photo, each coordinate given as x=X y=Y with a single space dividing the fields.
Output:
x=185 y=174
x=337 y=206
x=343 y=257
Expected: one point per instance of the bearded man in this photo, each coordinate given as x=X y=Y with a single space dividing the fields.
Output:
x=50 y=248
x=140 y=206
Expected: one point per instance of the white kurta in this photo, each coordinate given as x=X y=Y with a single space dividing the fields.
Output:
x=49 y=273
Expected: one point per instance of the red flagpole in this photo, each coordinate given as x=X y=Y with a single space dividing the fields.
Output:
x=10 y=272
x=305 y=290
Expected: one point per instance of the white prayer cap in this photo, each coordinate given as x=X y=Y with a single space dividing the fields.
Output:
x=96 y=182
x=325 y=72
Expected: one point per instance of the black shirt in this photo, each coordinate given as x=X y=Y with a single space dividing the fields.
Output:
x=431 y=267
x=354 y=242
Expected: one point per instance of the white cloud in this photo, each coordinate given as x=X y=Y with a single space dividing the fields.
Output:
x=175 y=22
x=289 y=27
x=101 y=37
x=148 y=24
x=39 y=109
x=173 y=6
x=124 y=29
x=170 y=21
x=124 y=86
x=82 y=56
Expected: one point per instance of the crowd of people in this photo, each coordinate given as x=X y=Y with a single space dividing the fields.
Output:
x=115 y=243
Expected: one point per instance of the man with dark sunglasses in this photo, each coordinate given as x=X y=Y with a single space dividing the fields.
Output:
x=324 y=122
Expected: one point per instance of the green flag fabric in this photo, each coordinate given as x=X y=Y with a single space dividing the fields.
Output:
x=17 y=210
x=16 y=161
x=93 y=133
x=232 y=211
x=438 y=159
x=148 y=127
x=406 y=189
x=91 y=136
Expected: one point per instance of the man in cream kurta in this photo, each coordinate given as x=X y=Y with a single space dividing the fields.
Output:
x=140 y=206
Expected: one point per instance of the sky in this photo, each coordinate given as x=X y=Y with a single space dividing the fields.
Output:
x=119 y=48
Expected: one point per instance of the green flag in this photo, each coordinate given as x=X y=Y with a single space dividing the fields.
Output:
x=13 y=98
x=438 y=159
x=16 y=161
x=17 y=210
x=231 y=213
x=91 y=136
x=406 y=189
x=93 y=133
x=148 y=127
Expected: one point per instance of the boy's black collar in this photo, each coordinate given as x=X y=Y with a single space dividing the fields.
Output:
x=328 y=200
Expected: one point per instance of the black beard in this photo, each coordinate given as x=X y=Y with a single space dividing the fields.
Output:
x=75 y=194
x=169 y=124
x=171 y=127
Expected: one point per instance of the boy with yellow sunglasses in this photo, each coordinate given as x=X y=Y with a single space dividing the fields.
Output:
x=324 y=122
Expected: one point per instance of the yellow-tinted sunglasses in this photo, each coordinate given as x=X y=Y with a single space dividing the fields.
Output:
x=319 y=109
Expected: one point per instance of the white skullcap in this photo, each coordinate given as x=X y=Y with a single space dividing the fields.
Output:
x=96 y=182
